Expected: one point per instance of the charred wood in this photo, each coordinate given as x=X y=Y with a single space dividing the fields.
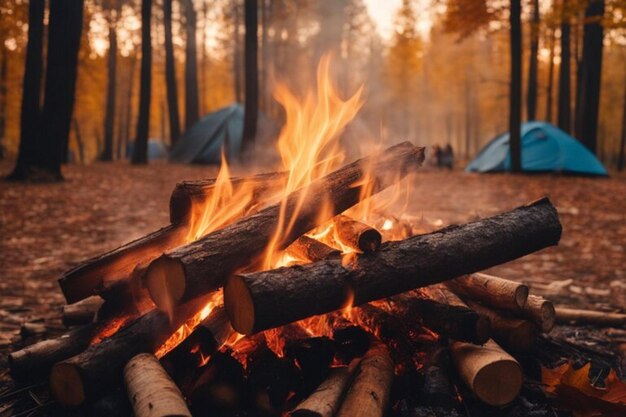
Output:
x=267 y=299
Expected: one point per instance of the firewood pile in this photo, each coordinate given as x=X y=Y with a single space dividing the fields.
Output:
x=349 y=319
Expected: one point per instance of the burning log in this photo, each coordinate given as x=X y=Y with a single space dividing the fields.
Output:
x=82 y=312
x=37 y=359
x=596 y=318
x=493 y=291
x=82 y=281
x=326 y=399
x=309 y=249
x=97 y=369
x=443 y=312
x=493 y=375
x=351 y=341
x=514 y=334
x=267 y=299
x=150 y=389
x=186 y=193
x=369 y=393
x=356 y=235
x=204 y=265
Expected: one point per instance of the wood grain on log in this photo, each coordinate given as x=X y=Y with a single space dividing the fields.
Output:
x=493 y=375
x=186 y=194
x=493 y=291
x=309 y=249
x=267 y=299
x=326 y=399
x=83 y=280
x=97 y=369
x=596 y=318
x=369 y=393
x=541 y=312
x=151 y=391
x=204 y=265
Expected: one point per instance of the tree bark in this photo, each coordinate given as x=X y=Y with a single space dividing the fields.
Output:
x=109 y=117
x=326 y=399
x=140 y=149
x=170 y=74
x=589 y=83
x=515 y=97
x=129 y=102
x=64 y=34
x=203 y=266
x=267 y=299
x=31 y=91
x=494 y=291
x=251 y=73
x=531 y=96
x=307 y=249
x=151 y=391
x=191 y=67
x=82 y=312
x=564 y=106
x=79 y=140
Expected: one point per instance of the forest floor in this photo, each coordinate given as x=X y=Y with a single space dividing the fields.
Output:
x=46 y=229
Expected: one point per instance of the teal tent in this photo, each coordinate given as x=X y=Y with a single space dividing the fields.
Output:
x=545 y=148
x=222 y=129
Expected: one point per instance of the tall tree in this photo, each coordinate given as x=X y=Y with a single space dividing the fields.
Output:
x=3 y=95
x=31 y=91
x=588 y=103
x=129 y=102
x=564 y=117
x=531 y=95
x=550 y=83
x=251 y=73
x=170 y=74
x=191 y=67
x=237 y=52
x=622 y=145
x=109 y=117
x=515 y=106
x=140 y=150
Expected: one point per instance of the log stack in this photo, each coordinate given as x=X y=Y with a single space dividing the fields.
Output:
x=383 y=311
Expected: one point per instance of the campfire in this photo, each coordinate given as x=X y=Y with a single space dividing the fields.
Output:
x=299 y=291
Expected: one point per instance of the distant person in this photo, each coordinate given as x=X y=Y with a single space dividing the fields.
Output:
x=447 y=157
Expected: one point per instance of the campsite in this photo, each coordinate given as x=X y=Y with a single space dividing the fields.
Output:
x=285 y=208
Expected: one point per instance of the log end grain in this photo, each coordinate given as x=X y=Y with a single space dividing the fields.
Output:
x=165 y=281
x=239 y=305
x=521 y=295
x=66 y=385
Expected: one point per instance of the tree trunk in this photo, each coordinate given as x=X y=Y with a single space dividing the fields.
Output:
x=515 y=107
x=64 y=33
x=3 y=96
x=531 y=96
x=31 y=91
x=191 y=67
x=79 y=140
x=109 y=118
x=622 y=146
x=237 y=52
x=590 y=76
x=564 y=111
x=550 y=84
x=264 y=56
x=129 y=103
x=170 y=74
x=140 y=150
x=267 y=299
x=251 y=73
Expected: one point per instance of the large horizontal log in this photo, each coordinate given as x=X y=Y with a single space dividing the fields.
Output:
x=204 y=265
x=188 y=194
x=443 y=312
x=96 y=370
x=267 y=299
x=83 y=280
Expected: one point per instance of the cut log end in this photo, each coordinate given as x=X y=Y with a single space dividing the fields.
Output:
x=239 y=305
x=66 y=385
x=498 y=383
x=521 y=295
x=165 y=281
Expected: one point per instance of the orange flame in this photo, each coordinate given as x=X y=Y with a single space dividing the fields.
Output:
x=308 y=143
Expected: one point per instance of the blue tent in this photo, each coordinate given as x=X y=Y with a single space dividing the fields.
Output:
x=544 y=148
x=203 y=142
